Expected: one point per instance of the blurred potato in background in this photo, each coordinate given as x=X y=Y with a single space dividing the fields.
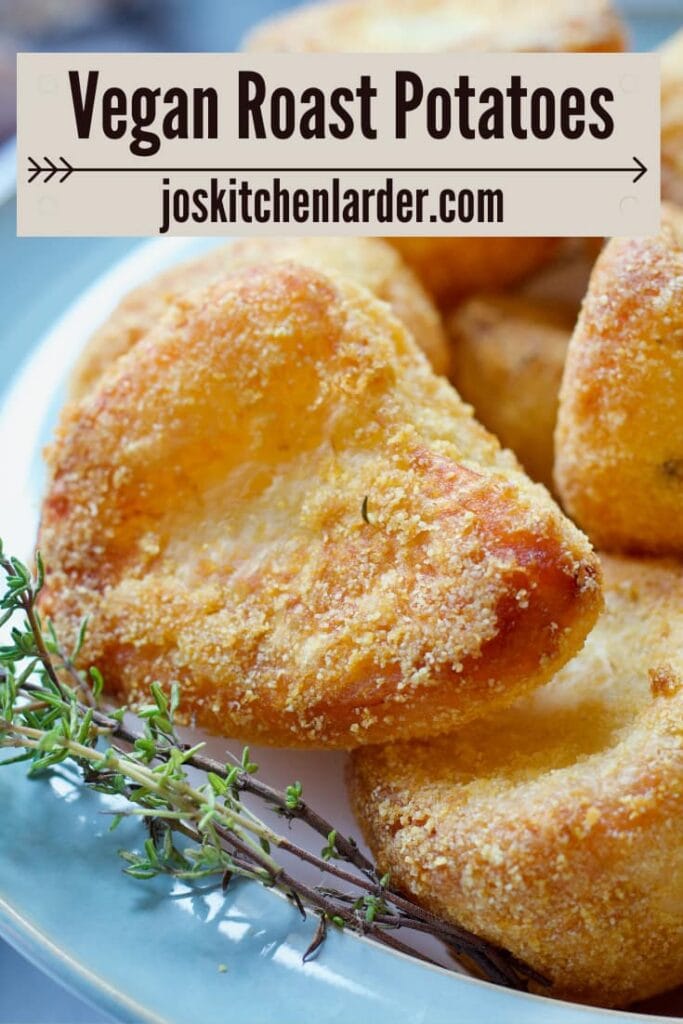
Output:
x=672 y=118
x=507 y=361
x=453 y=268
x=442 y=26
x=508 y=351
x=565 y=279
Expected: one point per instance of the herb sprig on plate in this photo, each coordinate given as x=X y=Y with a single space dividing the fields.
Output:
x=198 y=825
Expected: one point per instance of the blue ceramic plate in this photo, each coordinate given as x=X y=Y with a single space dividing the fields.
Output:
x=160 y=950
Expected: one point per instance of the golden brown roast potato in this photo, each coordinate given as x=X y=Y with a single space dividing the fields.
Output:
x=451 y=268
x=619 y=439
x=507 y=361
x=555 y=827
x=274 y=500
x=368 y=261
x=672 y=118
x=441 y=26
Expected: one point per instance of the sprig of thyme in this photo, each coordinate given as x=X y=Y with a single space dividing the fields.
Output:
x=50 y=712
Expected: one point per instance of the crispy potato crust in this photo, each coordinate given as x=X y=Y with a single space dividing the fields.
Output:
x=205 y=507
x=441 y=26
x=555 y=828
x=619 y=439
x=507 y=361
x=368 y=261
x=672 y=118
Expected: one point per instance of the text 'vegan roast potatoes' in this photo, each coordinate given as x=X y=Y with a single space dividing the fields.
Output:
x=273 y=500
x=451 y=267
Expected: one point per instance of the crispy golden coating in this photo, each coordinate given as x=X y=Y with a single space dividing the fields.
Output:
x=672 y=118
x=555 y=828
x=507 y=361
x=451 y=268
x=207 y=507
x=619 y=439
x=441 y=26
x=136 y=314
x=368 y=261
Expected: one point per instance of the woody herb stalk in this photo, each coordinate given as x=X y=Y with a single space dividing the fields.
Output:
x=50 y=712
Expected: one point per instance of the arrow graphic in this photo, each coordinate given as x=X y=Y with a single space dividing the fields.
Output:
x=50 y=169
x=33 y=169
x=641 y=172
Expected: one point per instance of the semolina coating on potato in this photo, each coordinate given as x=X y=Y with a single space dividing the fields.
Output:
x=619 y=439
x=368 y=261
x=507 y=362
x=442 y=26
x=555 y=828
x=273 y=500
x=672 y=118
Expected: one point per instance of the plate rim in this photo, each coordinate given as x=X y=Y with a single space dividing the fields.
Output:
x=101 y=295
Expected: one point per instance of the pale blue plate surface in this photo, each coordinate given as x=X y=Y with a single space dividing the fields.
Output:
x=151 y=951
x=146 y=952
x=140 y=951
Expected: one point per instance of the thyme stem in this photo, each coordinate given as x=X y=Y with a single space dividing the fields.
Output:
x=49 y=710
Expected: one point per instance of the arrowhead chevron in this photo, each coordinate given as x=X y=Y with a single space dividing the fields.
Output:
x=68 y=169
x=33 y=169
x=53 y=168
x=49 y=168
x=642 y=169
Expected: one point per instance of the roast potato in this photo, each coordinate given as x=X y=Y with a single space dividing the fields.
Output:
x=273 y=500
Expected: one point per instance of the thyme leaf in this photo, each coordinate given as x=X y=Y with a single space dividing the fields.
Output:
x=197 y=825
